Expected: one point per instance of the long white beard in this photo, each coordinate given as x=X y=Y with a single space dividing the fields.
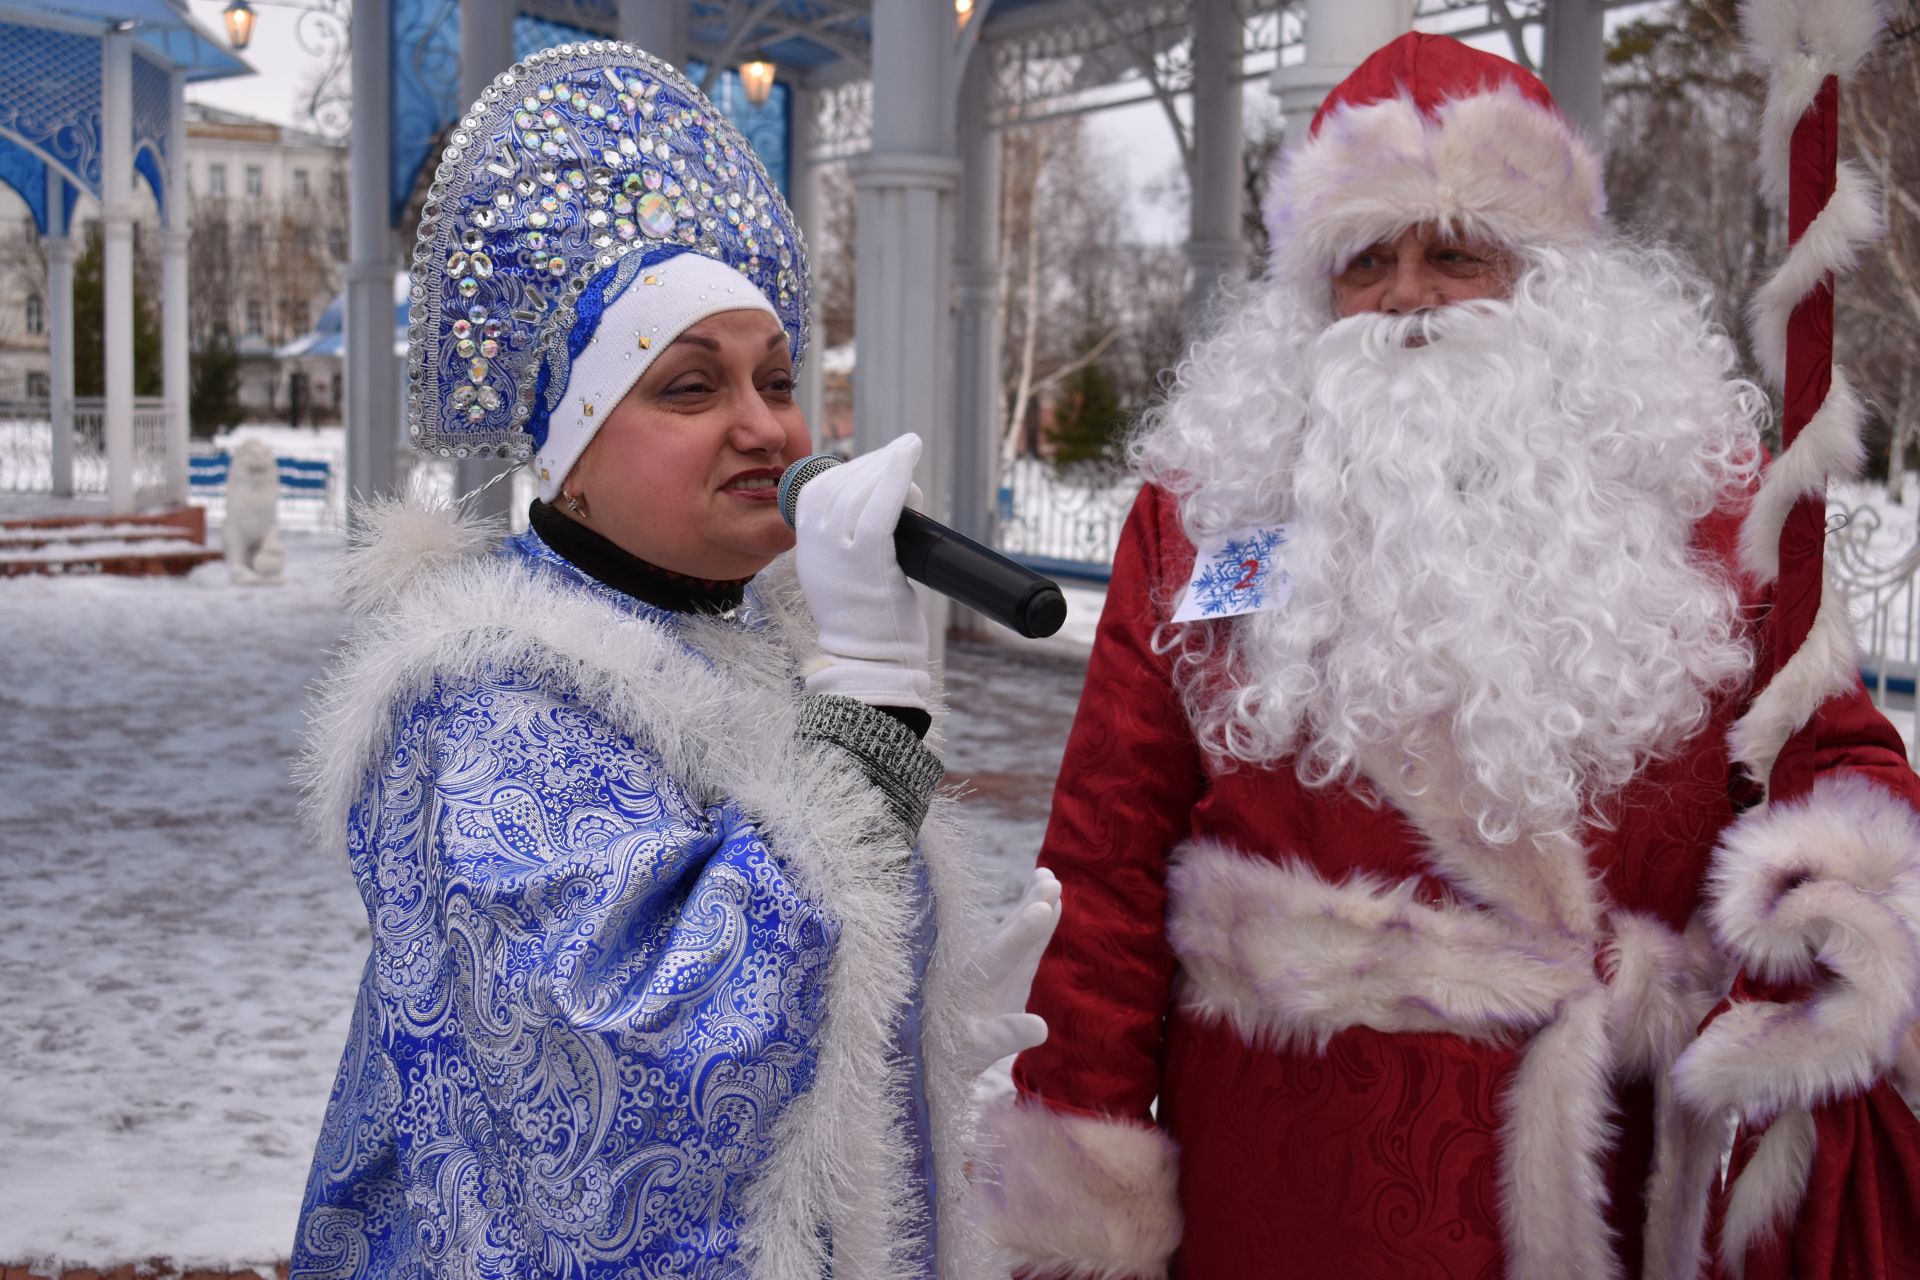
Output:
x=1492 y=564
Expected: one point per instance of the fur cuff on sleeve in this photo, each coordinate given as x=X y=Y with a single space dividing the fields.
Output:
x=1825 y=890
x=1080 y=1198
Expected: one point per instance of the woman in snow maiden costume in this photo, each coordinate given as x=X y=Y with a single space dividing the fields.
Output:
x=1404 y=875
x=671 y=972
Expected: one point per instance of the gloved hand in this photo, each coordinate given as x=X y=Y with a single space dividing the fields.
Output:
x=872 y=633
x=1007 y=963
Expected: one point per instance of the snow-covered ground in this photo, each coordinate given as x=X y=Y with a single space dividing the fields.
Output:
x=177 y=962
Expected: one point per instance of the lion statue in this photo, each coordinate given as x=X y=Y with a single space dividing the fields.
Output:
x=251 y=535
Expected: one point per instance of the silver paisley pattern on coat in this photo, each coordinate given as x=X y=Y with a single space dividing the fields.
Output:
x=590 y=997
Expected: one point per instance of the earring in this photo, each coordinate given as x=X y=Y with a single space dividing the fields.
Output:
x=573 y=504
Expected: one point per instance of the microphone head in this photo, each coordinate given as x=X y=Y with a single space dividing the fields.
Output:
x=796 y=476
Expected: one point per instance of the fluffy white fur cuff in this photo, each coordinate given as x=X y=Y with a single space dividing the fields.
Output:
x=1078 y=1197
x=1825 y=890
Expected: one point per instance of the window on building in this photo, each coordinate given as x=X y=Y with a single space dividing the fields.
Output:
x=336 y=244
x=300 y=191
x=252 y=239
x=256 y=180
x=36 y=314
x=303 y=239
x=300 y=314
x=216 y=179
x=38 y=388
x=256 y=317
x=336 y=183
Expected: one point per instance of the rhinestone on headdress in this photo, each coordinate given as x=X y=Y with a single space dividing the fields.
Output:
x=580 y=160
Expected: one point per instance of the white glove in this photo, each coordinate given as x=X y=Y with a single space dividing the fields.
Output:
x=872 y=633
x=1007 y=964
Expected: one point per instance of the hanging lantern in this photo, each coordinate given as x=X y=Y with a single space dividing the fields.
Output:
x=756 y=77
x=239 y=16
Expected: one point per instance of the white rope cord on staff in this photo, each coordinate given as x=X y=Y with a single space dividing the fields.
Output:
x=1801 y=43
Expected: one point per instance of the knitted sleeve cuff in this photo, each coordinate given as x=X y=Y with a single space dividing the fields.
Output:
x=890 y=754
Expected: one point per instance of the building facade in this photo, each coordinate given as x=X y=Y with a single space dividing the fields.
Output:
x=269 y=237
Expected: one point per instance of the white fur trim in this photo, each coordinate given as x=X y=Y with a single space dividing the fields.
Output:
x=1830 y=882
x=1824 y=665
x=1767 y=1194
x=1553 y=1192
x=1080 y=1197
x=1802 y=42
x=1494 y=165
x=1831 y=246
x=1686 y=1162
x=1828 y=446
x=445 y=612
x=1542 y=880
x=660 y=303
x=1288 y=959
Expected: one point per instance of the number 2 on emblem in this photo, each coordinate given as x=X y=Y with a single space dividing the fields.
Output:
x=1253 y=568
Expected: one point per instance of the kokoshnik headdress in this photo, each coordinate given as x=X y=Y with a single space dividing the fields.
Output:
x=590 y=207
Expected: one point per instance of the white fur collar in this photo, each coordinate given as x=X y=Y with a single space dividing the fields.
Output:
x=437 y=603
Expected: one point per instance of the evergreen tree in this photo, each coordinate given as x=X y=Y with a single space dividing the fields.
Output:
x=90 y=327
x=1090 y=421
x=215 y=402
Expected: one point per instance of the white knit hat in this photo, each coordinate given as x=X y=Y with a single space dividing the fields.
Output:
x=659 y=304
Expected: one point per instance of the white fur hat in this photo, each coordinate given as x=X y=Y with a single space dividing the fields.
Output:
x=1428 y=129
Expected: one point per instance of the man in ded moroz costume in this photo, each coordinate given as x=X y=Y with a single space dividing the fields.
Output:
x=672 y=969
x=1403 y=851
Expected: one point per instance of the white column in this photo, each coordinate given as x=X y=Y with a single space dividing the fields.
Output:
x=976 y=341
x=175 y=365
x=904 y=257
x=1340 y=35
x=486 y=49
x=116 y=181
x=372 y=374
x=1576 y=48
x=658 y=26
x=1214 y=249
x=803 y=197
x=59 y=249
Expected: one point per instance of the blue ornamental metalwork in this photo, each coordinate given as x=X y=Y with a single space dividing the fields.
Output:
x=577 y=170
x=425 y=91
x=152 y=122
x=532 y=33
x=768 y=129
x=426 y=87
x=27 y=173
x=50 y=97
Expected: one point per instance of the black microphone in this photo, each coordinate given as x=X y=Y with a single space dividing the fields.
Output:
x=954 y=565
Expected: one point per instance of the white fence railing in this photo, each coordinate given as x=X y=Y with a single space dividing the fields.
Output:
x=1072 y=513
x=26 y=447
x=1877 y=568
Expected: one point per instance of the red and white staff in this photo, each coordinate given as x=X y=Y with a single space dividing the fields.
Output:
x=1825 y=1156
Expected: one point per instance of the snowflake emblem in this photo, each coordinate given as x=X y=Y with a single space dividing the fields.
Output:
x=1237 y=578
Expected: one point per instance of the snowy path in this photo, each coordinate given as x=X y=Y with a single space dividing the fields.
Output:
x=176 y=962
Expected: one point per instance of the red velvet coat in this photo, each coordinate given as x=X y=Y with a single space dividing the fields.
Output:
x=1286 y=1041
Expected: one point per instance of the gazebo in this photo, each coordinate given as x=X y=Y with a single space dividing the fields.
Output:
x=91 y=94
x=911 y=91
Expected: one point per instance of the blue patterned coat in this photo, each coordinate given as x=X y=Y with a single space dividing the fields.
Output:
x=650 y=992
